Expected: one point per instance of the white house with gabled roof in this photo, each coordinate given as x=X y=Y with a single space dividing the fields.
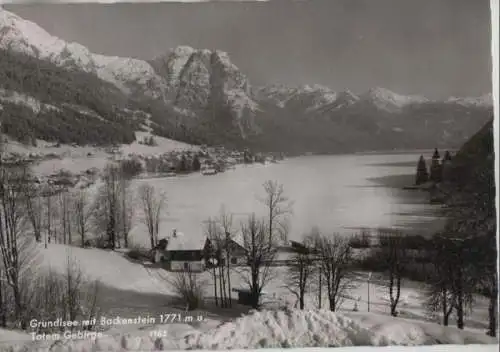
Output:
x=180 y=252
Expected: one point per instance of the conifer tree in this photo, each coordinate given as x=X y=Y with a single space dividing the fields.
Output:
x=436 y=167
x=447 y=156
x=445 y=166
x=422 y=173
x=196 y=163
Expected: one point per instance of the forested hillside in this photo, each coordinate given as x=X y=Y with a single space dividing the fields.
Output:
x=470 y=181
x=41 y=100
x=469 y=188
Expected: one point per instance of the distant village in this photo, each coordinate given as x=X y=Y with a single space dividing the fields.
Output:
x=206 y=160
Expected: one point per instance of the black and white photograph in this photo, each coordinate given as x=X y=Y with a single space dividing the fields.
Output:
x=233 y=175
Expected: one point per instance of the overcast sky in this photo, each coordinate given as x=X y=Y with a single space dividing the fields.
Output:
x=435 y=48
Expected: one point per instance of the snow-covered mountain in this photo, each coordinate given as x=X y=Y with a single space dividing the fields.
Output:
x=485 y=100
x=385 y=99
x=376 y=119
x=281 y=94
x=316 y=96
x=199 y=96
x=185 y=77
x=205 y=80
x=20 y=35
x=322 y=99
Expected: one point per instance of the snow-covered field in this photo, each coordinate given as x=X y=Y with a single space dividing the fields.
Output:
x=133 y=288
x=77 y=159
x=118 y=272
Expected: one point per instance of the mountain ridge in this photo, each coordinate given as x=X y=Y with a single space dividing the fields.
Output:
x=200 y=96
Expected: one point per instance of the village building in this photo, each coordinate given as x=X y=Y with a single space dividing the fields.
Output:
x=183 y=253
x=237 y=253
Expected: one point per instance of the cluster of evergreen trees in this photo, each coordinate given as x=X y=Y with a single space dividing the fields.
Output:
x=61 y=95
x=436 y=172
x=186 y=163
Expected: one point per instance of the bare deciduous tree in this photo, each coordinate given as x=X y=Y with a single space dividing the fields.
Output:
x=220 y=232
x=393 y=255
x=16 y=247
x=335 y=258
x=34 y=211
x=68 y=296
x=65 y=208
x=91 y=310
x=3 y=305
x=49 y=193
x=152 y=205
x=189 y=287
x=262 y=239
x=300 y=271
x=82 y=215
x=214 y=256
x=313 y=239
x=126 y=211
x=227 y=232
x=260 y=253
x=107 y=205
x=440 y=297
x=278 y=207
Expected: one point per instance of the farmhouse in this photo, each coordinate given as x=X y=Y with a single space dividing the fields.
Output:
x=179 y=252
x=183 y=253
x=237 y=253
x=228 y=248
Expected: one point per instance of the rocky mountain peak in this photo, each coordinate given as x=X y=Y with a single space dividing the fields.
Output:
x=385 y=99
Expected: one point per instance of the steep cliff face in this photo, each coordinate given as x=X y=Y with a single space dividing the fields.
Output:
x=209 y=83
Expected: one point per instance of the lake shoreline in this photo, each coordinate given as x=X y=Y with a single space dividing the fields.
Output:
x=333 y=193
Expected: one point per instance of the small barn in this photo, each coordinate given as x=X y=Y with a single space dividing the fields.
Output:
x=245 y=296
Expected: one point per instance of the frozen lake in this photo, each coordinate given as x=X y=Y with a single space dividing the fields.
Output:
x=335 y=193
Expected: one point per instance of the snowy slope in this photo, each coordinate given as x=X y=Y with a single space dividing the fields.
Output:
x=111 y=268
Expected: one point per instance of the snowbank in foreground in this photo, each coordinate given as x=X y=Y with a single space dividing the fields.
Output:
x=295 y=328
x=283 y=329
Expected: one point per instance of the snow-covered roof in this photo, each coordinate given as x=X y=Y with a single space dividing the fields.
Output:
x=181 y=242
